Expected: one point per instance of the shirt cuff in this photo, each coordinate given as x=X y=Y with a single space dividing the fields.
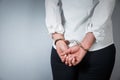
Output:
x=57 y=29
x=98 y=32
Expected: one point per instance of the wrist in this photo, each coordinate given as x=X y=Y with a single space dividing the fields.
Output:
x=86 y=45
x=56 y=36
x=83 y=47
x=88 y=40
x=58 y=40
x=80 y=44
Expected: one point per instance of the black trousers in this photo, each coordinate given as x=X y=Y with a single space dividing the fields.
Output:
x=96 y=65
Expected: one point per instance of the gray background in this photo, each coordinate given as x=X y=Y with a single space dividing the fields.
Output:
x=25 y=44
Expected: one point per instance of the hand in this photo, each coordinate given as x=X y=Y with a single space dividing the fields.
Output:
x=76 y=55
x=61 y=47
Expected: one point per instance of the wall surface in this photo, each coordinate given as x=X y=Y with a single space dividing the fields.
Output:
x=116 y=30
x=25 y=44
x=24 y=41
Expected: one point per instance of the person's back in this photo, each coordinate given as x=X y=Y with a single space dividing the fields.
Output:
x=82 y=38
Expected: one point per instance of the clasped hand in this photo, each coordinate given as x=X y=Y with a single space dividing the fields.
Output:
x=71 y=56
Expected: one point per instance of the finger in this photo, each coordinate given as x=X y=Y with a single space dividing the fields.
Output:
x=63 y=58
x=63 y=53
x=66 y=60
x=66 y=52
x=77 y=61
x=73 y=61
x=70 y=60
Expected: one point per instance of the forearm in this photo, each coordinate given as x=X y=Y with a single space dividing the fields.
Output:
x=88 y=40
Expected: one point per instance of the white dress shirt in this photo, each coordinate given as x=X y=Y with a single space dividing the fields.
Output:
x=74 y=18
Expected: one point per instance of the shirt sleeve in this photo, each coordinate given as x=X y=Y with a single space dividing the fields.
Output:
x=102 y=12
x=53 y=16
